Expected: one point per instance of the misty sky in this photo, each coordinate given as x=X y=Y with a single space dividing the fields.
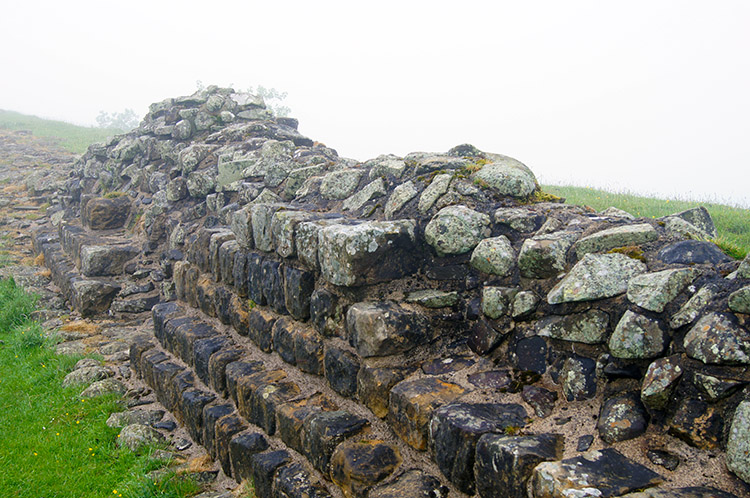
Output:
x=651 y=96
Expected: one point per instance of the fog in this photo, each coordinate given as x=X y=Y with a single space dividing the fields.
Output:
x=650 y=97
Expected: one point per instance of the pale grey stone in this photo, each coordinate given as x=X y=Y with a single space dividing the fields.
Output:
x=519 y=219
x=242 y=227
x=637 y=337
x=739 y=301
x=744 y=270
x=340 y=184
x=201 y=183
x=494 y=256
x=307 y=241
x=611 y=238
x=508 y=177
x=298 y=177
x=432 y=298
x=386 y=165
x=693 y=307
x=456 y=230
x=613 y=212
x=372 y=190
x=717 y=339
x=104 y=387
x=589 y=327
x=660 y=381
x=654 y=291
x=261 y=216
x=596 y=276
x=136 y=436
x=400 y=196
x=283 y=227
x=434 y=190
x=738 y=443
x=86 y=375
x=496 y=301
x=698 y=218
x=524 y=304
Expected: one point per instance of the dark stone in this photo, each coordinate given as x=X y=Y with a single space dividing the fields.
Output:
x=105 y=260
x=455 y=430
x=136 y=289
x=484 y=336
x=264 y=467
x=664 y=459
x=205 y=291
x=697 y=423
x=341 y=369
x=260 y=328
x=584 y=442
x=447 y=272
x=540 y=399
x=616 y=370
x=504 y=464
x=240 y=272
x=308 y=350
x=326 y=314
x=374 y=386
x=241 y=448
x=227 y=253
x=226 y=428
x=293 y=481
x=162 y=373
x=105 y=214
x=450 y=364
x=192 y=405
x=272 y=282
x=323 y=431
x=181 y=383
x=491 y=379
x=531 y=354
x=260 y=393
x=358 y=465
x=137 y=304
x=298 y=288
x=211 y=414
x=604 y=473
x=290 y=417
x=137 y=348
x=238 y=317
x=688 y=252
x=412 y=484
x=222 y=303
x=235 y=371
x=622 y=417
x=203 y=349
x=255 y=278
x=283 y=340
x=381 y=329
x=90 y=297
x=578 y=378
x=167 y=425
x=217 y=368
x=148 y=360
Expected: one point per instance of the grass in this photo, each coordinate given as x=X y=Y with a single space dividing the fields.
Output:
x=732 y=223
x=52 y=442
x=74 y=138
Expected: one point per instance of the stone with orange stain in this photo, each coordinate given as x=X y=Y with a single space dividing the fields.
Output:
x=622 y=417
x=358 y=465
x=717 y=338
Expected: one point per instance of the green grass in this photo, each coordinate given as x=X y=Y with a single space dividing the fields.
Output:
x=52 y=442
x=74 y=138
x=732 y=223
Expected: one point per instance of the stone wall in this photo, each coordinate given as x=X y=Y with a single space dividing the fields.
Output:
x=407 y=326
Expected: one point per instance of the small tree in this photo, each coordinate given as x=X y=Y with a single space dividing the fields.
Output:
x=125 y=120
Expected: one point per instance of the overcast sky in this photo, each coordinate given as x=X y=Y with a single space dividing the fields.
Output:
x=651 y=96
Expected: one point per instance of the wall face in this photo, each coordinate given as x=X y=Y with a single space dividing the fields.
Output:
x=368 y=312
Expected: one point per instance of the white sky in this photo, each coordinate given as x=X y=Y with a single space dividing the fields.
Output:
x=651 y=96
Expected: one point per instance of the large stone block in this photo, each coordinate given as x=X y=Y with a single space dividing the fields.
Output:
x=413 y=483
x=596 y=276
x=283 y=230
x=105 y=213
x=324 y=430
x=105 y=260
x=272 y=282
x=293 y=481
x=203 y=349
x=262 y=216
x=90 y=297
x=298 y=288
x=341 y=369
x=367 y=253
x=260 y=324
x=291 y=416
x=255 y=278
x=620 y=236
x=374 y=386
x=357 y=466
x=380 y=329
x=235 y=371
x=225 y=429
x=241 y=449
x=217 y=368
x=211 y=414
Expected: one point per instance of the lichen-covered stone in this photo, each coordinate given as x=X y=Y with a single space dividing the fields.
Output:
x=622 y=417
x=693 y=307
x=524 y=304
x=283 y=230
x=494 y=256
x=367 y=253
x=507 y=176
x=371 y=191
x=380 y=329
x=400 y=196
x=340 y=184
x=341 y=369
x=578 y=378
x=739 y=300
x=621 y=236
x=717 y=339
x=541 y=400
x=602 y=474
x=456 y=230
x=689 y=492
x=715 y=388
x=496 y=301
x=744 y=269
x=434 y=190
x=697 y=423
x=356 y=466
x=413 y=483
x=411 y=406
x=136 y=436
x=105 y=260
x=104 y=387
x=520 y=220
x=699 y=219
x=306 y=241
x=544 y=256
x=596 y=276
x=660 y=381
x=738 y=443
x=504 y=464
x=433 y=298
x=201 y=183
x=293 y=481
x=589 y=327
x=104 y=213
x=261 y=219
x=637 y=337
x=87 y=375
x=455 y=429
x=653 y=291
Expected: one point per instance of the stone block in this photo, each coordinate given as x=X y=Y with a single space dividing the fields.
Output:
x=240 y=273
x=104 y=213
x=211 y=414
x=260 y=325
x=293 y=481
x=217 y=368
x=380 y=329
x=105 y=260
x=191 y=404
x=341 y=369
x=202 y=351
x=619 y=236
x=90 y=297
x=290 y=417
x=308 y=350
x=358 y=465
x=283 y=230
x=264 y=467
x=413 y=483
x=205 y=292
x=225 y=429
x=622 y=417
x=327 y=313
x=255 y=278
x=272 y=283
x=227 y=253
x=241 y=448
x=235 y=371
x=222 y=303
x=374 y=386
x=298 y=288
x=262 y=216
x=283 y=340
x=324 y=430
x=238 y=315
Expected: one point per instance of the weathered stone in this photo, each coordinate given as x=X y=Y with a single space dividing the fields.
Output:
x=589 y=327
x=255 y=278
x=613 y=212
x=717 y=339
x=578 y=378
x=145 y=417
x=272 y=283
x=323 y=431
x=596 y=276
x=738 y=443
x=177 y=189
x=520 y=220
x=260 y=326
x=93 y=296
x=739 y=301
x=227 y=255
x=697 y=423
x=715 y=388
x=690 y=492
x=507 y=176
x=611 y=238
x=544 y=256
x=104 y=260
x=412 y=483
x=283 y=230
x=372 y=190
x=339 y=185
x=505 y=464
x=699 y=219
x=400 y=196
x=496 y=301
x=341 y=368
x=298 y=288
x=211 y=414
x=306 y=241
x=530 y=354
x=136 y=436
x=453 y=363
x=261 y=394
x=432 y=298
x=660 y=381
x=327 y=313
x=653 y=291
x=217 y=367
x=663 y=458
x=367 y=253
x=540 y=399
x=744 y=269
x=226 y=428
x=456 y=230
x=693 y=307
x=103 y=213
x=455 y=429
x=261 y=219
x=293 y=481
x=191 y=404
x=264 y=466
x=637 y=337
x=411 y=406
x=602 y=474
x=622 y=417
x=241 y=448
x=437 y=187
x=524 y=304
x=309 y=350
x=356 y=466
x=290 y=417
x=494 y=256
x=201 y=183
x=486 y=334
x=104 y=387
x=380 y=329
x=688 y=252
x=202 y=351
x=87 y=375
x=183 y=130
x=242 y=227
x=374 y=386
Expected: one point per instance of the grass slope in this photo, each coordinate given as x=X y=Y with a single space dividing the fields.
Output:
x=733 y=224
x=74 y=138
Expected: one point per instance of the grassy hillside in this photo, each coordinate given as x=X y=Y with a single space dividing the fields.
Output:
x=74 y=138
x=733 y=224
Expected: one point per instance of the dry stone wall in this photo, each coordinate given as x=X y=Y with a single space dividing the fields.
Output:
x=407 y=326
